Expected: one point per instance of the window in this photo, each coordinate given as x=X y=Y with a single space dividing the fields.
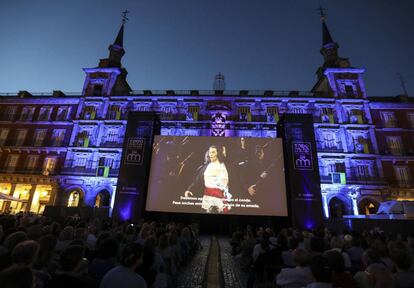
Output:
x=336 y=167
x=272 y=114
x=356 y=116
x=89 y=113
x=329 y=141
x=394 y=144
x=349 y=90
x=49 y=165
x=327 y=115
x=410 y=118
x=20 y=137
x=9 y=113
x=402 y=174
x=105 y=161
x=114 y=112
x=39 y=137
x=62 y=113
x=11 y=163
x=192 y=114
x=245 y=114
x=27 y=113
x=112 y=135
x=361 y=144
x=57 y=137
x=80 y=161
x=362 y=172
x=388 y=119
x=97 y=89
x=3 y=136
x=31 y=162
x=83 y=139
x=44 y=114
x=297 y=110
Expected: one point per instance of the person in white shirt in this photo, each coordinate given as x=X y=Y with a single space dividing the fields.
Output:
x=215 y=178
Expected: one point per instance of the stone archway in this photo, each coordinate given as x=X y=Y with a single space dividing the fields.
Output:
x=368 y=206
x=75 y=198
x=339 y=206
x=103 y=199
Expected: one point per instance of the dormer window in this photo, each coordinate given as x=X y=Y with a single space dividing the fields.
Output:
x=44 y=114
x=97 y=90
x=27 y=113
x=62 y=113
x=349 y=90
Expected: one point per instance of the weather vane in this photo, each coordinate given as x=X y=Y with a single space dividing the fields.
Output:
x=124 y=16
x=322 y=13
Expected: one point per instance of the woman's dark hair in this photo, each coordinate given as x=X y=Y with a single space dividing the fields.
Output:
x=131 y=253
x=16 y=276
x=220 y=155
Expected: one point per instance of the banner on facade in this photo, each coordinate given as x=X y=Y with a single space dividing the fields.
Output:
x=302 y=170
x=135 y=165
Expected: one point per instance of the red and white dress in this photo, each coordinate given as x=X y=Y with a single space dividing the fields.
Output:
x=216 y=193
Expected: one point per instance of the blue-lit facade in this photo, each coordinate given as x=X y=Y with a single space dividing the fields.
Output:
x=66 y=149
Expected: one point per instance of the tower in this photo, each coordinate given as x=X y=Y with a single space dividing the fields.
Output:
x=109 y=78
x=336 y=76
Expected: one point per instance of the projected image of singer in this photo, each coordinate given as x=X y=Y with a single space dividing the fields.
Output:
x=256 y=176
x=212 y=181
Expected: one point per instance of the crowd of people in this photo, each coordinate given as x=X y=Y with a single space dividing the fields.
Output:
x=320 y=258
x=36 y=251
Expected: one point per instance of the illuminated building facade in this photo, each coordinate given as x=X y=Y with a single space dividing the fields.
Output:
x=65 y=149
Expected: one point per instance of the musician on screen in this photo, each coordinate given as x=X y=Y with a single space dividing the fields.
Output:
x=255 y=175
x=212 y=178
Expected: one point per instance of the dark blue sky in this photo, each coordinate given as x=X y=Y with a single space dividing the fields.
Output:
x=182 y=44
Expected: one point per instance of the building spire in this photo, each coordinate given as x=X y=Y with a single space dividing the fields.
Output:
x=119 y=41
x=116 y=50
x=326 y=36
x=329 y=48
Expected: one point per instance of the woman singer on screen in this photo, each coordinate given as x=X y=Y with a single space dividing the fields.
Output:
x=212 y=177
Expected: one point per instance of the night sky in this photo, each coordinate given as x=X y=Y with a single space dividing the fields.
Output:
x=182 y=44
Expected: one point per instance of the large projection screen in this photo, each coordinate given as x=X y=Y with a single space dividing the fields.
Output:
x=218 y=175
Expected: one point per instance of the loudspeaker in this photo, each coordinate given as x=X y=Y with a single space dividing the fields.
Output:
x=69 y=211
x=52 y=211
x=102 y=213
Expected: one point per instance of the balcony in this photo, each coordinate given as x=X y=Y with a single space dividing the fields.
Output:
x=26 y=171
x=89 y=169
x=110 y=144
x=375 y=180
x=367 y=180
x=402 y=183
x=334 y=148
